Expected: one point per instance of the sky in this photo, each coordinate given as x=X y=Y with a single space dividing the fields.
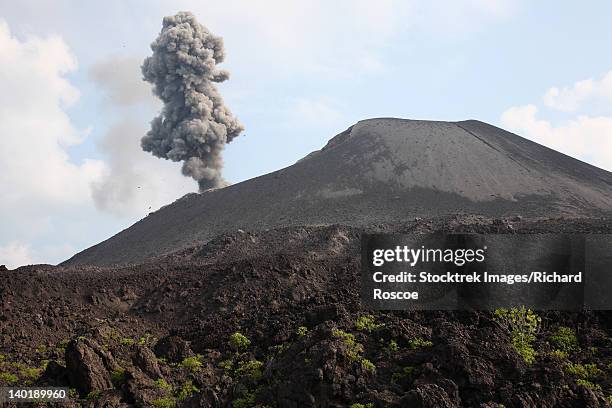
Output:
x=73 y=105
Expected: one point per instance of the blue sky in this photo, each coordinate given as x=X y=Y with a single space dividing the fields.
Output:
x=301 y=72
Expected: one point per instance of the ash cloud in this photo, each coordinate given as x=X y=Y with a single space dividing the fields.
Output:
x=194 y=124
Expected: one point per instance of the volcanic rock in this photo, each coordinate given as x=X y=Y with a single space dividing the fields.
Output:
x=377 y=171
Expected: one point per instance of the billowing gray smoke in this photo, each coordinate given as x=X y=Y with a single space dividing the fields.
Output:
x=194 y=124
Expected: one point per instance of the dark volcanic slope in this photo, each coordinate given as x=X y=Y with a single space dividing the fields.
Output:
x=378 y=171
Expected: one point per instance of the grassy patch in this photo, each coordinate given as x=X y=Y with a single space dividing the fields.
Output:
x=302 y=330
x=165 y=402
x=405 y=373
x=418 y=343
x=118 y=377
x=564 y=339
x=523 y=325
x=239 y=342
x=187 y=390
x=192 y=363
x=8 y=378
x=251 y=369
x=367 y=323
x=247 y=401
x=163 y=385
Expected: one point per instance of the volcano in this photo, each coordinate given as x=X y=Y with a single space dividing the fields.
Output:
x=378 y=171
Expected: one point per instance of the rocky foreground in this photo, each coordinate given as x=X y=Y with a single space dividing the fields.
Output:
x=273 y=318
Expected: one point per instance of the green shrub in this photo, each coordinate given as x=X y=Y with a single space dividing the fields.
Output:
x=523 y=325
x=239 y=342
x=163 y=385
x=8 y=378
x=561 y=355
x=226 y=364
x=405 y=373
x=564 y=339
x=30 y=373
x=118 y=377
x=368 y=365
x=392 y=347
x=367 y=323
x=418 y=342
x=588 y=384
x=126 y=341
x=192 y=363
x=251 y=369
x=354 y=349
x=358 y=405
x=584 y=372
x=302 y=330
x=165 y=402
x=247 y=401
x=187 y=390
x=94 y=395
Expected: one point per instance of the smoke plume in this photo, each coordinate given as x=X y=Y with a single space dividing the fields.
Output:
x=194 y=124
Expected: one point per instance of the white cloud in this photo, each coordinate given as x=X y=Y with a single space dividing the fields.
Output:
x=40 y=184
x=584 y=137
x=585 y=94
x=15 y=254
x=34 y=127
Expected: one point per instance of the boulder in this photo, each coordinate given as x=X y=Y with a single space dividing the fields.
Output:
x=173 y=348
x=88 y=366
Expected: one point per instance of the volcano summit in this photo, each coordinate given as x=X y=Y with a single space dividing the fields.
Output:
x=379 y=171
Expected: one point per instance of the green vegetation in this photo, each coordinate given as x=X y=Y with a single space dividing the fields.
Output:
x=147 y=339
x=118 y=377
x=302 y=330
x=226 y=364
x=239 y=342
x=405 y=374
x=609 y=399
x=359 y=405
x=247 y=401
x=585 y=372
x=163 y=385
x=187 y=390
x=8 y=378
x=588 y=384
x=2 y=357
x=30 y=373
x=126 y=341
x=94 y=395
x=251 y=369
x=367 y=323
x=368 y=365
x=523 y=324
x=561 y=355
x=418 y=342
x=41 y=349
x=354 y=349
x=564 y=339
x=192 y=363
x=392 y=347
x=165 y=402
